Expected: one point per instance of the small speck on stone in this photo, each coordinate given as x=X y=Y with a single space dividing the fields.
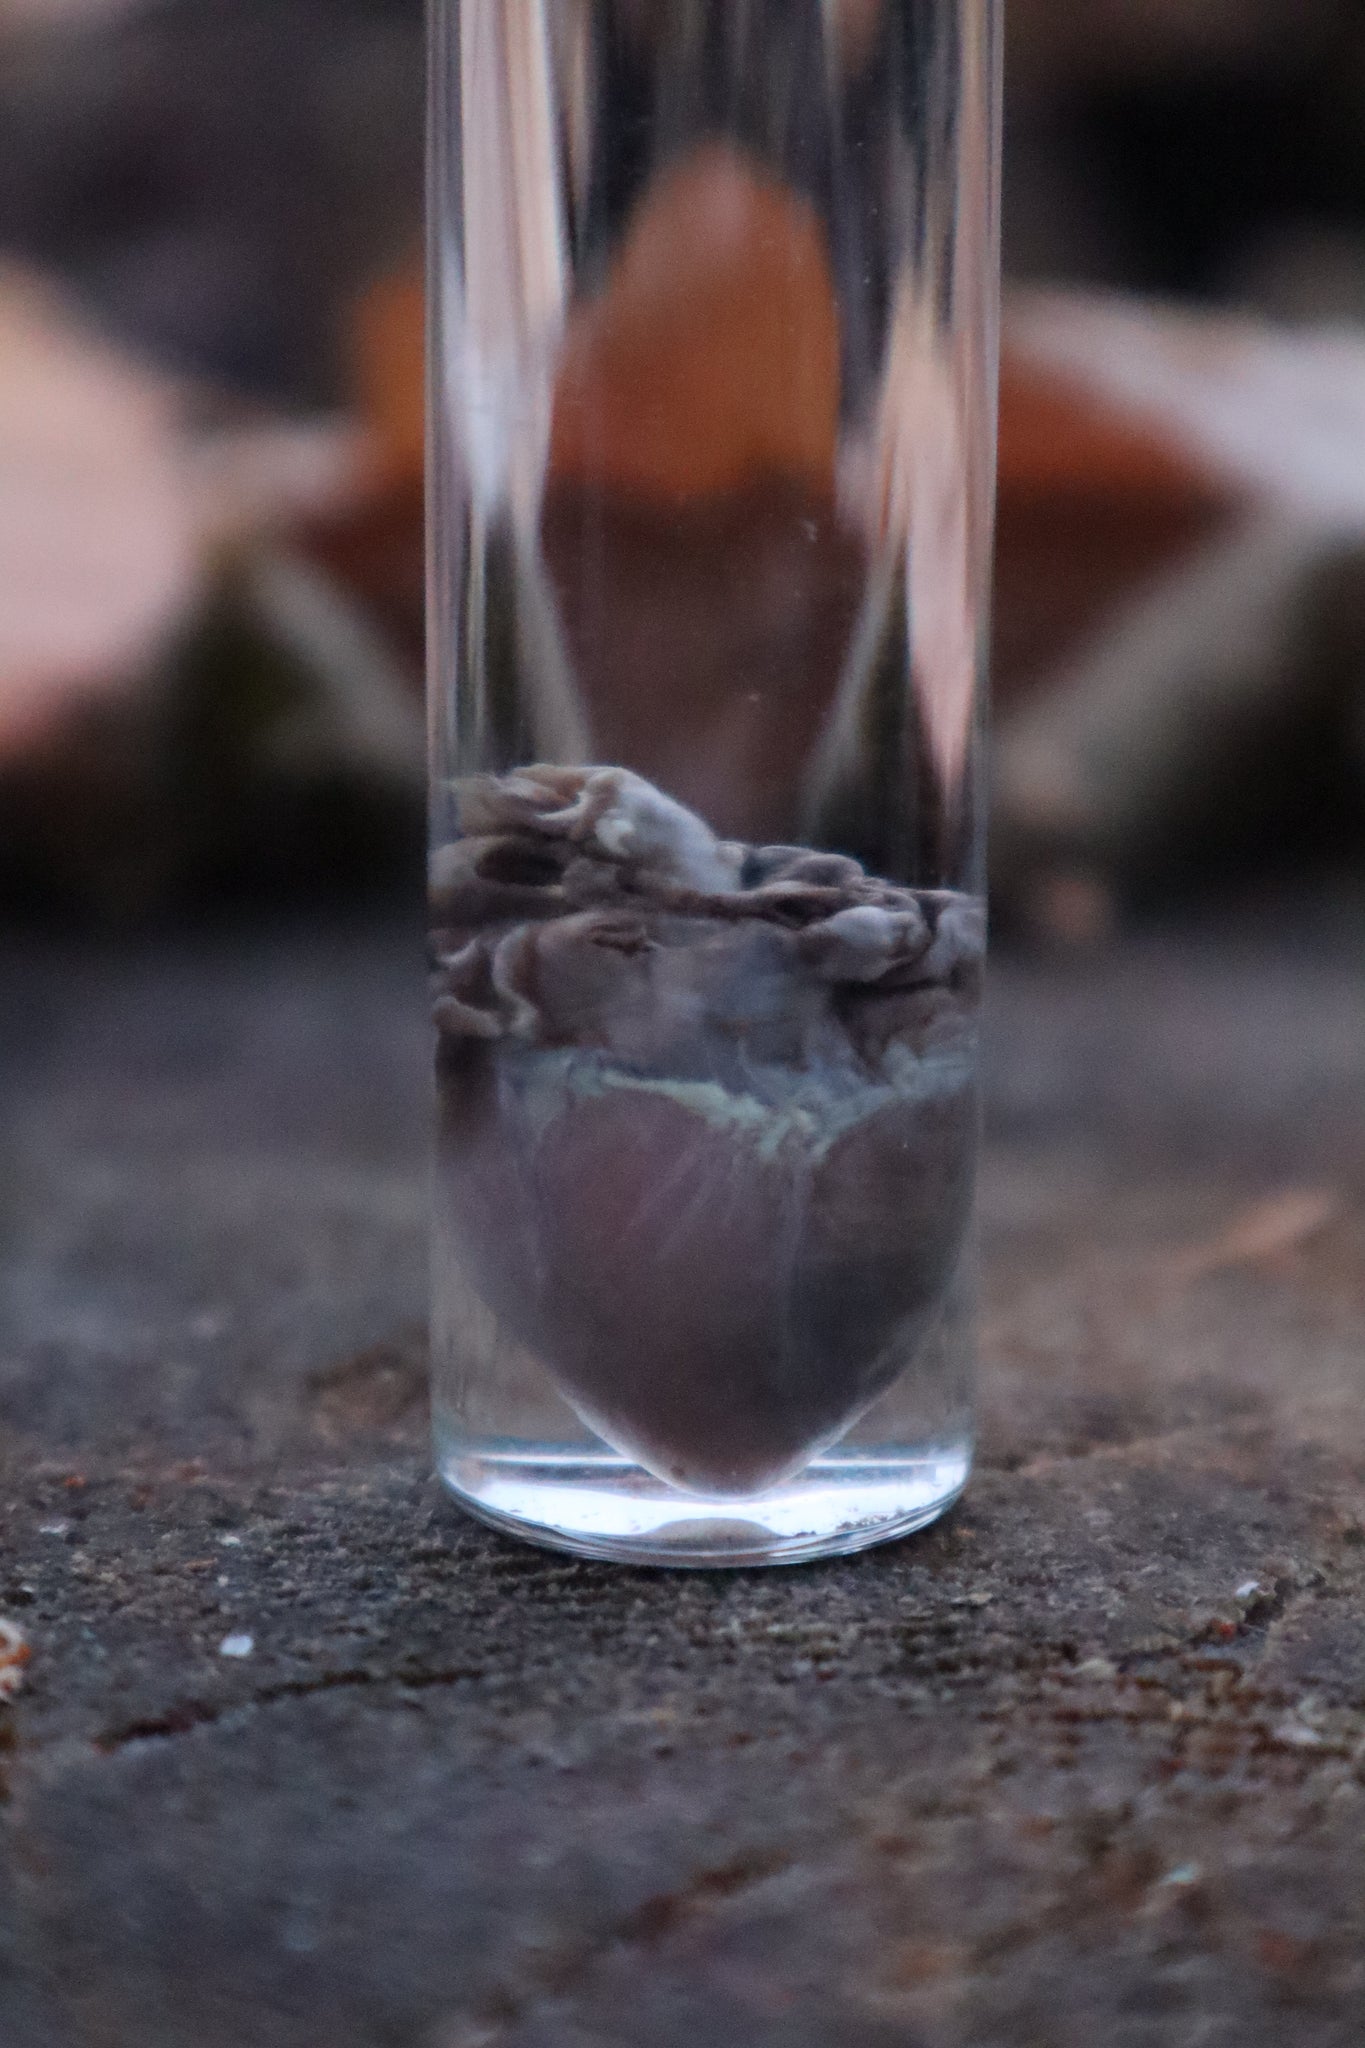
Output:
x=1183 y=1874
x=236 y=1646
x=1247 y=1589
x=53 y=1528
x=1295 y=1736
x=231 y=1542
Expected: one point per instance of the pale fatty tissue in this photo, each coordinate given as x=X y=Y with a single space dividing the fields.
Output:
x=708 y=1115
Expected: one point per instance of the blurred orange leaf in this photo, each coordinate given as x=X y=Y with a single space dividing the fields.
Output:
x=712 y=356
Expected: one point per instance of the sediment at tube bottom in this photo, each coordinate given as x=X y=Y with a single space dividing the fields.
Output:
x=708 y=1115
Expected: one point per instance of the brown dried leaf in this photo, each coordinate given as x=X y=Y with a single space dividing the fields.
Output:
x=1264 y=1231
x=97 y=543
x=14 y=1655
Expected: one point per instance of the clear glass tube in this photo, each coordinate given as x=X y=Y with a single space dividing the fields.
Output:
x=713 y=290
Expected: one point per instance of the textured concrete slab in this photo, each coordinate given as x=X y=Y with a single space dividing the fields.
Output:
x=1087 y=1762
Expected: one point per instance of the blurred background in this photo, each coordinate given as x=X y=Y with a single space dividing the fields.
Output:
x=210 y=456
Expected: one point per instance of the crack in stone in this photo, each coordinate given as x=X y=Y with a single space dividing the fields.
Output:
x=566 y=1974
x=194 y=1714
x=659 y=1915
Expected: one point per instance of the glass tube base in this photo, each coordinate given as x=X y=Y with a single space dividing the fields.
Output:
x=595 y=1503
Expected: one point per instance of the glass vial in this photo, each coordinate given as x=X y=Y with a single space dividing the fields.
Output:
x=712 y=301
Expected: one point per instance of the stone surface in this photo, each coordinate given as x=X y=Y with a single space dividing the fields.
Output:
x=1086 y=1762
